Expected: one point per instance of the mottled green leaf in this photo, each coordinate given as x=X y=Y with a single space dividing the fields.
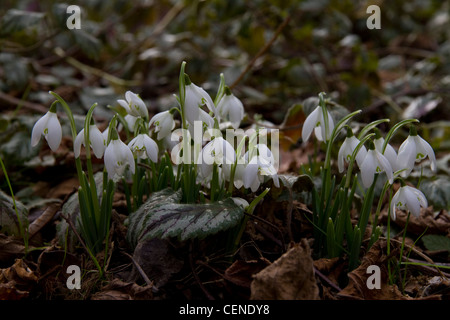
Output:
x=437 y=192
x=8 y=217
x=162 y=216
x=17 y=20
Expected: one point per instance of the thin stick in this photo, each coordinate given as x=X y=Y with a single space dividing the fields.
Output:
x=194 y=273
x=139 y=269
x=326 y=279
x=262 y=51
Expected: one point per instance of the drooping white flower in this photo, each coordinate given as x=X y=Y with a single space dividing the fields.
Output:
x=316 y=121
x=414 y=149
x=256 y=170
x=410 y=199
x=230 y=108
x=164 y=124
x=218 y=151
x=389 y=152
x=144 y=147
x=375 y=162
x=131 y=122
x=348 y=146
x=118 y=157
x=49 y=127
x=134 y=105
x=195 y=98
x=96 y=138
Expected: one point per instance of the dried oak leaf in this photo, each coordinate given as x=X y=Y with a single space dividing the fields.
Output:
x=357 y=288
x=10 y=249
x=291 y=277
x=16 y=281
x=240 y=272
x=120 y=290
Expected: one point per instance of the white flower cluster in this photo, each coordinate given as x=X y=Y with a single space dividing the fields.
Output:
x=376 y=160
x=199 y=109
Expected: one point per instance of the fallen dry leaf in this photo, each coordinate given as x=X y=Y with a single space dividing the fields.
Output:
x=439 y=224
x=240 y=272
x=10 y=249
x=291 y=277
x=357 y=287
x=120 y=290
x=16 y=281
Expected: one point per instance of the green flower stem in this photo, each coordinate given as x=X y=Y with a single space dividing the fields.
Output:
x=92 y=184
x=73 y=131
x=82 y=179
x=249 y=210
x=370 y=126
x=394 y=129
x=19 y=220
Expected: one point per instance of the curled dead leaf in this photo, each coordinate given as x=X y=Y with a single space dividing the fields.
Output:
x=120 y=290
x=291 y=277
x=16 y=281
x=357 y=288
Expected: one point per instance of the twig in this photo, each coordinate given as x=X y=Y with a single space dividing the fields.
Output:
x=16 y=101
x=281 y=243
x=194 y=273
x=82 y=243
x=416 y=263
x=139 y=269
x=428 y=259
x=96 y=72
x=326 y=279
x=262 y=51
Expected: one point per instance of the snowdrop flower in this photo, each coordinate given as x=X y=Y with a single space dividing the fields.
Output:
x=375 y=162
x=218 y=151
x=131 y=122
x=144 y=147
x=49 y=127
x=96 y=139
x=256 y=169
x=348 y=146
x=118 y=157
x=164 y=124
x=195 y=98
x=231 y=108
x=134 y=105
x=389 y=152
x=408 y=198
x=206 y=120
x=316 y=121
x=414 y=149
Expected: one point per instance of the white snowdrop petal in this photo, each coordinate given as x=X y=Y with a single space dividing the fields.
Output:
x=394 y=202
x=368 y=168
x=152 y=148
x=412 y=203
x=427 y=150
x=386 y=166
x=38 y=129
x=79 y=140
x=54 y=135
x=97 y=141
x=310 y=124
x=251 y=172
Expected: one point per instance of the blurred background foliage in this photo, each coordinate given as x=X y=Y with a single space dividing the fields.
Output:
x=399 y=71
